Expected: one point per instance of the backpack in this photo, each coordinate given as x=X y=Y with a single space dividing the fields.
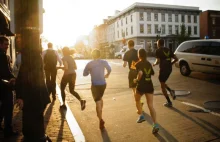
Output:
x=50 y=60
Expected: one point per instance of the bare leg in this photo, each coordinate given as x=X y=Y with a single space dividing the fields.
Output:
x=99 y=106
x=149 y=98
x=138 y=103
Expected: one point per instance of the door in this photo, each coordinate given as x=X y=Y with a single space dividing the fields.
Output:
x=214 y=58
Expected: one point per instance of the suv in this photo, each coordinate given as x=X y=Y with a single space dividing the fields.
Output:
x=199 y=55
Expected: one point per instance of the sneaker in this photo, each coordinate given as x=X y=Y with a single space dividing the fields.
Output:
x=102 y=124
x=141 y=119
x=167 y=104
x=63 y=106
x=155 y=128
x=83 y=104
x=172 y=93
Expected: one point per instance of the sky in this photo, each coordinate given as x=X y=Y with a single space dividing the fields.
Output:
x=65 y=20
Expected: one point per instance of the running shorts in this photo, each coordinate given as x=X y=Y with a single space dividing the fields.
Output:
x=98 y=92
x=131 y=76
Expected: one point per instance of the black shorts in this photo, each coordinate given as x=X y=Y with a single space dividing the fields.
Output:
x=164 y=75
x=145 y=88
x=131 y=76
x=98 y=92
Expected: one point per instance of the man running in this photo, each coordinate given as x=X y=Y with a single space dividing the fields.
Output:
x=163 y=58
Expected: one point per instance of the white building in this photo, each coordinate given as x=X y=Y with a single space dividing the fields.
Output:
x=144 y=22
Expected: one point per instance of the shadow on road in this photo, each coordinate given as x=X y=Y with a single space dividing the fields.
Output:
x=105 y=136
x=213 y=132
x=48 y=113
x=62 y=117
x=212 y=78
x=162 y=135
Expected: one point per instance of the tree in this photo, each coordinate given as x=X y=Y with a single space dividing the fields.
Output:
x=183 y=35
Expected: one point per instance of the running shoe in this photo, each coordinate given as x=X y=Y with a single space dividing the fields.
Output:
x=172 y=93
x=155 y=128
x=141 y=119
x=102 y=124
x=83 y=104
x=167 y=104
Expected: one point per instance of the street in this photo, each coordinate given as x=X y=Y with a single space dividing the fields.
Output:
x=188 y=120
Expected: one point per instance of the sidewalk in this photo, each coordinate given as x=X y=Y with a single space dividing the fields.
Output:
x=55 y=124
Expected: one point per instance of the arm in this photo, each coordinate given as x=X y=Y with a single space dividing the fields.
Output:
x=65 y=67
x=43 y=54
x=58 y=58
x=156 y=62
x=107 y=66
x=175 y=60
x=125 y=64
x=86 y=70
x=139 y=75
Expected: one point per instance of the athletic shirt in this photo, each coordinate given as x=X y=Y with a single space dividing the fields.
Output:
x=165 y=56
x=96 y=68
x=71 y=64
x=147 y=70
x=131 y=57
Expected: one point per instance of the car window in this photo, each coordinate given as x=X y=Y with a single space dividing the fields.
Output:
x=215 y=49
x=185 y=47
x=200 y=47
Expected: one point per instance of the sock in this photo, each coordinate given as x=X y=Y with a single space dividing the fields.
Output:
x=168 y=100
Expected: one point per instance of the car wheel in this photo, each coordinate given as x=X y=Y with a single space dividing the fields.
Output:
x=184 y=69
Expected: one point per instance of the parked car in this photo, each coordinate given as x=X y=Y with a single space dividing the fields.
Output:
x=78 y=56
x=199 y=55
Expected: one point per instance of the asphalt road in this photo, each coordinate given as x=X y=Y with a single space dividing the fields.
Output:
x=187 y=121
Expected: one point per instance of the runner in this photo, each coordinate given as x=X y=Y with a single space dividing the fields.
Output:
x=96 y=68
x=164 y=57
x=145 y=87
x=131 y=58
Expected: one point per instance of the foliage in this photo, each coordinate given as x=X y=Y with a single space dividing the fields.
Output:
x=183 y=35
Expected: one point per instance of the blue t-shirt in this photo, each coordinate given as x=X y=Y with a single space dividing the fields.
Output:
x=96 y=68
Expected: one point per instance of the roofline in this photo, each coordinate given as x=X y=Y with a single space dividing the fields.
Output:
x=150 y=5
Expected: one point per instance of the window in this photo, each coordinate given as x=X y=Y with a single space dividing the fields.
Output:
x=117 y=24
x=126 y=20
x=118 y=34
x=176 y=18
x=185 y=47
x=213 y=32
x=163 y=29
x=126 y=31
x=121 y=22
x=148 y=16
x=156 y=29
x=183 y=18
x=195 y=30
x=195 y=19
x=131 y=30
x=213 y=21
x=141 y=16
x=189 y=30
x=163 y=17
x=141 y=28
x=195 y=47
x=170 y=29
x=149 y=28
x=215 y=49
x=169 y=17
x=122 y=33
x=131 y=18
x=189 y=18
x=176 y=29
x=155 y=17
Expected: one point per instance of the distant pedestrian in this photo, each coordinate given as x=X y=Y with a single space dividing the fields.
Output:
x=69 y=77
x=32 y=95
x=7 y=82
x=96 y=68
x=164 y=58
x=145 y=87
x=50 y=58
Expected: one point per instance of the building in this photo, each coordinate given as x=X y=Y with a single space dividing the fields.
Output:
x=145 y=23
x=210 y=24
x=5 y=26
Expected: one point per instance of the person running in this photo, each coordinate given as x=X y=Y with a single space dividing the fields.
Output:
x=163 y=58
x=69 y=77
x=96 y=68
x=145 y=87
x=50 y=58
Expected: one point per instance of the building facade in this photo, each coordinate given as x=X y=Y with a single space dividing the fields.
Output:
x=210 y=24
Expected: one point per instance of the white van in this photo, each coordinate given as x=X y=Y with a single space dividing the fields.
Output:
x=121 y=53
x=199 y=55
